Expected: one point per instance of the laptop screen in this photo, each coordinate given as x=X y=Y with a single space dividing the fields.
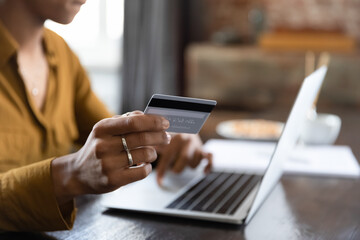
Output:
x=290 y=135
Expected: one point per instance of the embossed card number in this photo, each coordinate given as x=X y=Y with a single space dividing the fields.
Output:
x=186 y=115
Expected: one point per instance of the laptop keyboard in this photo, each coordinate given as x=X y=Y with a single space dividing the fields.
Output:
x=217 y=192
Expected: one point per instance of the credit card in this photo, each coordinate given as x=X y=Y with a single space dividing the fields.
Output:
x=186 y=115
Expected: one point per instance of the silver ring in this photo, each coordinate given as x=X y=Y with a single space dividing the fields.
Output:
x=129 y=156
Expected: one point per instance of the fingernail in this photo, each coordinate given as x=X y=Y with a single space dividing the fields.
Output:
x=168 y=136
x=165 y=123
x=148 y=168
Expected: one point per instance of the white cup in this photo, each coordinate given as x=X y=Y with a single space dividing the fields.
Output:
x=321 y=129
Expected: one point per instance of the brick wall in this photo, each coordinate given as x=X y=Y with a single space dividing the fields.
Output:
x=323 y=15
x=247 y=77
x=231 y=73
x=210 y=16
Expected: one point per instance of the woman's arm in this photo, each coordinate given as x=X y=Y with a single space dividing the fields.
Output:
x=39 y=197
x=102 y=164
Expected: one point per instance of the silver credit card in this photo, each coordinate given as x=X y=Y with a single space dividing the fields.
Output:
x=186 y=115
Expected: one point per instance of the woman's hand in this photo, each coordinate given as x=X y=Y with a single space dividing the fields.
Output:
x=183 y=150
x=102 y=165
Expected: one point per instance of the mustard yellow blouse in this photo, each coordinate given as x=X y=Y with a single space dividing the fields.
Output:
x=30 y=139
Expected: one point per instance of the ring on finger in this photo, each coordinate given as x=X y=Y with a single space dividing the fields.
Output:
x=129 y=156
x=126 y=114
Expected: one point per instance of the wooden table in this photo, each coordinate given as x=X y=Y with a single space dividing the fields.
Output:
x=300 y=207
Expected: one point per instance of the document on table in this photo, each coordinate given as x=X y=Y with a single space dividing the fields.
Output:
x=251 y=156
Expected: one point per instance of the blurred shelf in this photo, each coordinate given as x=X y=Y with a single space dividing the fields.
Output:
x=249 y=78
x=305 y=41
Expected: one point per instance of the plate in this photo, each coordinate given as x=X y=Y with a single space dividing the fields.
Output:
x=252 y=129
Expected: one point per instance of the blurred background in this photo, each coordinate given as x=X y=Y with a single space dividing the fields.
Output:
x=246 y=54
x=96 y=36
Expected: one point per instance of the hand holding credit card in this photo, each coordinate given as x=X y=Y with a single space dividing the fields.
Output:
x=186 y=115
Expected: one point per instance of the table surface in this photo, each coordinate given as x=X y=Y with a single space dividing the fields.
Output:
x=299 y=207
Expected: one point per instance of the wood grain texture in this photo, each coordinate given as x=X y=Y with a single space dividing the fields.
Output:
x=298 y=208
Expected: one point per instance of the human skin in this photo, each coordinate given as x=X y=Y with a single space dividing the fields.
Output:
x=101 y=165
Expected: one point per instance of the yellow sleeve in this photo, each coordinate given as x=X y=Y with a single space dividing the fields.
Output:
x=28 y=202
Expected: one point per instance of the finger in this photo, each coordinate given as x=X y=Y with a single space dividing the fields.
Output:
x=121 y=161
x=209 y=157
x=183 y=158
x=198 y=156
x=121 y=177
x=135 y=140
x=114 y=144
x=167 y=157
x=136 y=112
x=135 y=123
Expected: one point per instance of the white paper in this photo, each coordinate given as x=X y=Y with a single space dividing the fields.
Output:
x=251 y=156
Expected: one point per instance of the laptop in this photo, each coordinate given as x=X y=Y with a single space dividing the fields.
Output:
x=222 y=196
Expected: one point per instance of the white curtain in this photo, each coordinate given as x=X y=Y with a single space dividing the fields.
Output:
x=151 y=51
